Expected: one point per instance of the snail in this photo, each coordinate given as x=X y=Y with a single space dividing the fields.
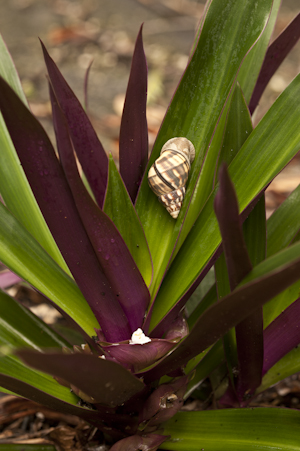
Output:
x=168 y=175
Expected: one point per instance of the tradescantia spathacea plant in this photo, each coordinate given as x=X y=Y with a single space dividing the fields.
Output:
x=113 y=261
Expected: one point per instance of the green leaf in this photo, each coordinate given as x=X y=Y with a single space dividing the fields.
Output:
x=197 y=298
x=210 y=360
x=23 y=447
x=9 y=72
x=252 y=63
x=69 y=406
x=230 y=28
x=207 y=300
x=282 y=226
x=255 y=234
x=119 y=208
x=285 y=367
x=11 y=366
x=20 y=252
x=14 y=186
x=109 y=383
x=234 y=430
x=238 y=127
x=20 y=327
x=284 y=223
x=209 y=171
x=280 y=302
x=251 y=170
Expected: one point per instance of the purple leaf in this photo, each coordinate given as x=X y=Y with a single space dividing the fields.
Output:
x=226 y=313
x=135 y=357
x=249 y=333
x=107 y=382
x=115 y=259
x=275 y=55
x=250 y=350
x=30 y=392
x=178 y=329
x=149 y=442
x=134 y=130
x=164 y=402
x=85 y=85
x=106 y=422
x=55 y=200
x=282 y=335
x=234 y=246
x=89 y=150
x=8 y=278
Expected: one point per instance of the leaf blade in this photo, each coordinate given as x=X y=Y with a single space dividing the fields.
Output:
x=133 y=142
x=20 y=252
x=275 y=55
x=86 y=143
x=234 y=429
x=119 y=208
x=15 y=190
x=106 y=381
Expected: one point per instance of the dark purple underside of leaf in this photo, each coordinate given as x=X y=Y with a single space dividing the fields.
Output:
x=275 y=55
x=107 y=382
x=249 y=333
x=113 y=255
x=107 y=422
x=282 y=335
x=55 y=200
x=89 y=150
x=134 y=131
x=227 y=212
x=27 y=391
x=225 y=314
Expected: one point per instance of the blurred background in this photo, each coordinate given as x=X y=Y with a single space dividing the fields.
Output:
x=77 y=32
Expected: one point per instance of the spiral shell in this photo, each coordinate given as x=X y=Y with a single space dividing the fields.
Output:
x=168 y=175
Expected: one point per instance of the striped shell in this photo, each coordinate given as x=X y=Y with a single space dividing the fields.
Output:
x=168 y=175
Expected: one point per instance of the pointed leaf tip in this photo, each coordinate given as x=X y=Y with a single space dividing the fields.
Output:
x=275 y=55
x=134 y=130
x=89 y=150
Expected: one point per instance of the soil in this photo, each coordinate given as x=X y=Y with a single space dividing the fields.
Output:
x=76 y=33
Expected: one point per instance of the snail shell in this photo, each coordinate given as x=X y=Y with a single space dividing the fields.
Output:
x=168 y=175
